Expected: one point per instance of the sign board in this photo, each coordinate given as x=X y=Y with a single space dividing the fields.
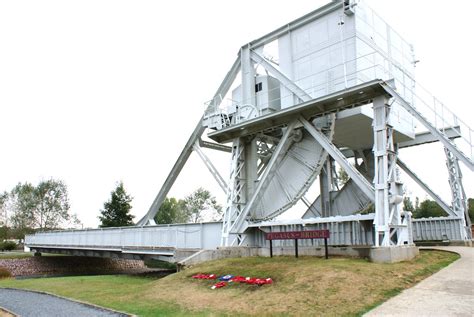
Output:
x=291 y=235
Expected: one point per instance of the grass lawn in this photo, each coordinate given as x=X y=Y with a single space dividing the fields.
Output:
x=15 y=255
x=304 y=286
x=22 y=255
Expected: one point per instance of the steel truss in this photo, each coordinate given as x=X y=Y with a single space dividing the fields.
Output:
x=236 y=194
x=194 y=139
x=459 y=199
x=390 y=227
x=237 y=210
x=250 y=172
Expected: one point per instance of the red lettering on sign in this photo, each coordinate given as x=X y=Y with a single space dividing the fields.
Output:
x=288 y=235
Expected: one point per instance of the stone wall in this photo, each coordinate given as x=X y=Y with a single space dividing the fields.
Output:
x=69 y=265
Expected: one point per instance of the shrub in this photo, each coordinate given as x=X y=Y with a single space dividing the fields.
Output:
x=4 y=273
x=7 y=246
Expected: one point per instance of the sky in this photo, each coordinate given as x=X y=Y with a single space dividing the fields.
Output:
x=96 y=92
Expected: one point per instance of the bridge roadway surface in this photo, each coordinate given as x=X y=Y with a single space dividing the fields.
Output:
x=34 y=304
x=449 y=292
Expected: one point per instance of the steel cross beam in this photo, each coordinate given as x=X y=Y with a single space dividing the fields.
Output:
x=212 y=169
x=173 y=175
x=425 y=187
x=288 y=83
x=215 y=146
x=459 y=199
x=268 y=171
x=337 y=155
x=228 y=80
x=440 y=135
x=188 y=148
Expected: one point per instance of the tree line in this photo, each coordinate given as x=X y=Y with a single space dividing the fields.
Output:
x=197 y=207
x=429 y=208
x=29 y=208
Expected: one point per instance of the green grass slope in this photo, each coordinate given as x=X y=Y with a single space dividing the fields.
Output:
x=303 y=286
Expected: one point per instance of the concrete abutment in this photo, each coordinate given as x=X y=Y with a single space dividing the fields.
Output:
x=376 y=255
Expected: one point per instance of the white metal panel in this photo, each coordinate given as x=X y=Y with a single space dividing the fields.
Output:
x=296 y=171
x=437 y=228
x=205 y=235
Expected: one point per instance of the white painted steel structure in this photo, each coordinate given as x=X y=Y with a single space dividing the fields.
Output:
x=335 y=86
x=342 y=45
x=438 y=229
x=160 y=241
x=178 y=236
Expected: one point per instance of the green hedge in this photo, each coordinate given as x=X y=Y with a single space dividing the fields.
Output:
x=7 y=246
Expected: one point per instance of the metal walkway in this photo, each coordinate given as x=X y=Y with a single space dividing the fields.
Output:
x=162 y=242
x=441 y=121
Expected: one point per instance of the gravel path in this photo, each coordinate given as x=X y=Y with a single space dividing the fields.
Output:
x=28 y=303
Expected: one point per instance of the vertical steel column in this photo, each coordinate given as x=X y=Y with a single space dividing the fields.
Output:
x=382 y=134
x=267 y=173
x=236 y=192
x=251 y=166
x=239 y=183
x=325 y=184
x=248 y=77
x=400 y=225
x=391 y=227
x=459 y=200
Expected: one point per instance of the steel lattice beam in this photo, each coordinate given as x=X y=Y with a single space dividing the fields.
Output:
x=337 y=155
x=173 y=175
x=426 y=188
x=288 y=83
x=236 y=226
x=212 y=169
x=444 y=139
x=188 y=148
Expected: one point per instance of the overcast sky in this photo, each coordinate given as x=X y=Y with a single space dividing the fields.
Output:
x=94 y=92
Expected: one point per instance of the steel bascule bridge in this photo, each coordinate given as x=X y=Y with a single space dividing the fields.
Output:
x=332 y=89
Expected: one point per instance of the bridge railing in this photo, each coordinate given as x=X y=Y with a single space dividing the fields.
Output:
x=438 y=228
x=179 y=236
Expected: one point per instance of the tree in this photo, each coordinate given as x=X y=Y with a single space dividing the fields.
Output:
x=21 y=205
x=368 y=210
x=408 y=204
x=343 y=177
x=201 y=206
x=428 y=208
x=45 y=206
x=171 y=211
x=3 y=233
x=116 y=212
x=52 y=204
x=3 y=209
x=470 y=203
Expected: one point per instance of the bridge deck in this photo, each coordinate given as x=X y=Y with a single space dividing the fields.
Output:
x=164 y=242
